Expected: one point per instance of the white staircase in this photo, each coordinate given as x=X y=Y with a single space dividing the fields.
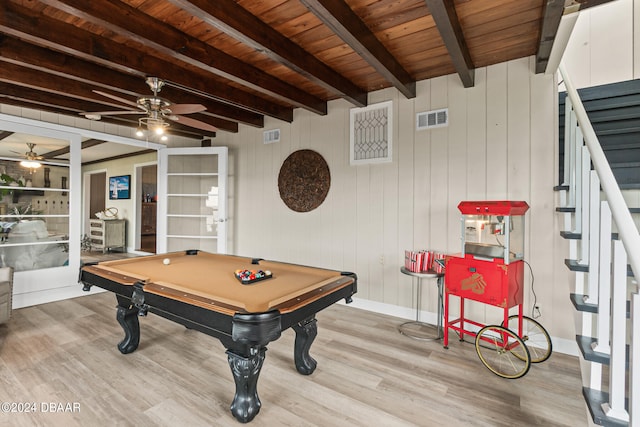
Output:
x=604 y=253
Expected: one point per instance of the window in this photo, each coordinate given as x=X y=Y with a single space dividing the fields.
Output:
x=370 y=133
x=34 y=215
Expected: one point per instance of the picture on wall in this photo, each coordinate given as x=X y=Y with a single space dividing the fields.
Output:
x=119 y=187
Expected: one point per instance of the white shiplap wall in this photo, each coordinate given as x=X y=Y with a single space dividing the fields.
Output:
x=499 y=145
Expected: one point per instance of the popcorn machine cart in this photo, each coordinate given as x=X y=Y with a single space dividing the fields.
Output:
x=490 y=270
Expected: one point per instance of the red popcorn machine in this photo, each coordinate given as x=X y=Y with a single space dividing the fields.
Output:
x=490 y=270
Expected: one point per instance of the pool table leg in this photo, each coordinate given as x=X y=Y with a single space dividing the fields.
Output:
x=306 y=332
x=127 y=316
x=246 y=369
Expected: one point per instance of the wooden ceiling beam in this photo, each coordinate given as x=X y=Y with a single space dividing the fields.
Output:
x=552 y=14
x=125 y=20
x=65 y=150
x=234 y=20
x=59 y=64
x=43 y=106
x=446 y=19
x=47 y=100
x=50 y=33
x=119 y=157
x=4 y=134
x=35 y=79
x=338 y=16
x=36 y=89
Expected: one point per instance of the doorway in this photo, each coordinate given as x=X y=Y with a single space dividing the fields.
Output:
x=97 y=185
x=148 y=208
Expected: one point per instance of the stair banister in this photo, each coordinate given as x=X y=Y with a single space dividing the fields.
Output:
x=619 y=210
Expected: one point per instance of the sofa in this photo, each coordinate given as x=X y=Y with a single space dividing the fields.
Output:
x=6 y=293
x=41 y=253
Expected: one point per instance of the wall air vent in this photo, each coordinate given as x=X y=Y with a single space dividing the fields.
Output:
x=271 y=136
x=432 y=119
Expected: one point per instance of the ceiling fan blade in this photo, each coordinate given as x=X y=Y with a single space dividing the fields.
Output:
x=111 y=113
x=187 y=108
x=117 y=98
x=188 y=121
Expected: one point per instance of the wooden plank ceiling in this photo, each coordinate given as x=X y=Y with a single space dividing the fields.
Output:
x=246 y=59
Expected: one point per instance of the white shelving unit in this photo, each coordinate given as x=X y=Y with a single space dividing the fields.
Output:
x=193 y=213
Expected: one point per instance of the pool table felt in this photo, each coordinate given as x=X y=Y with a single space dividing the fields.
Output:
x=208 y=280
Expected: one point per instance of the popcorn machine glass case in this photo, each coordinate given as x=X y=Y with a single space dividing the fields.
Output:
x=493 y=229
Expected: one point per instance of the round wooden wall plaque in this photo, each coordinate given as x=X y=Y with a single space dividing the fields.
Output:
x=304 y=180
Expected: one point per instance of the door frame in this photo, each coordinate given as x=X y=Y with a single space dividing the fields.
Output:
x=137 y=193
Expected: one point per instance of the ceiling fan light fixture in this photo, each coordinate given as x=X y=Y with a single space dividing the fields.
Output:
x=139 y=132
x=31 y=164
x=155 y=125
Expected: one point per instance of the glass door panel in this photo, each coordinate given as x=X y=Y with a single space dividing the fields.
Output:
x=34 y=215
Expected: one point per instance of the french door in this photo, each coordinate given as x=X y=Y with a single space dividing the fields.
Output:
x=193 y=204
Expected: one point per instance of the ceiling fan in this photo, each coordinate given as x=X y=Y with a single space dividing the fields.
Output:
x=156 y=109
x=31 y=158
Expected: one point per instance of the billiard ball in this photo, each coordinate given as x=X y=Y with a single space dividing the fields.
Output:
x=166 y=261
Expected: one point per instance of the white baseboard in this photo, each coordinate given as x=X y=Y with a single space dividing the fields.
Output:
x=560 y=345
x=50 y=295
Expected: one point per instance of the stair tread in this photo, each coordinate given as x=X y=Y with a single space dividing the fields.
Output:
x=595 y=399
x=572 y=209
x=565 y=209
x=580 y=305
x=584 y=344
x=574 y=265
x=570 y=235
x=588 y=354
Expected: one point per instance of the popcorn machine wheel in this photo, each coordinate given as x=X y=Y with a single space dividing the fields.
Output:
x=490 y=270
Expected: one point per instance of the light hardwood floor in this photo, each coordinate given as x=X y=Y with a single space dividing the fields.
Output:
x=368 y=375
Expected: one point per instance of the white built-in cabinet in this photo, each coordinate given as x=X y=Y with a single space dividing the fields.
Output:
x=192 y=185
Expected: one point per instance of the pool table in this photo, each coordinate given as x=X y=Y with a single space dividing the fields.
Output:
x=200 y=290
